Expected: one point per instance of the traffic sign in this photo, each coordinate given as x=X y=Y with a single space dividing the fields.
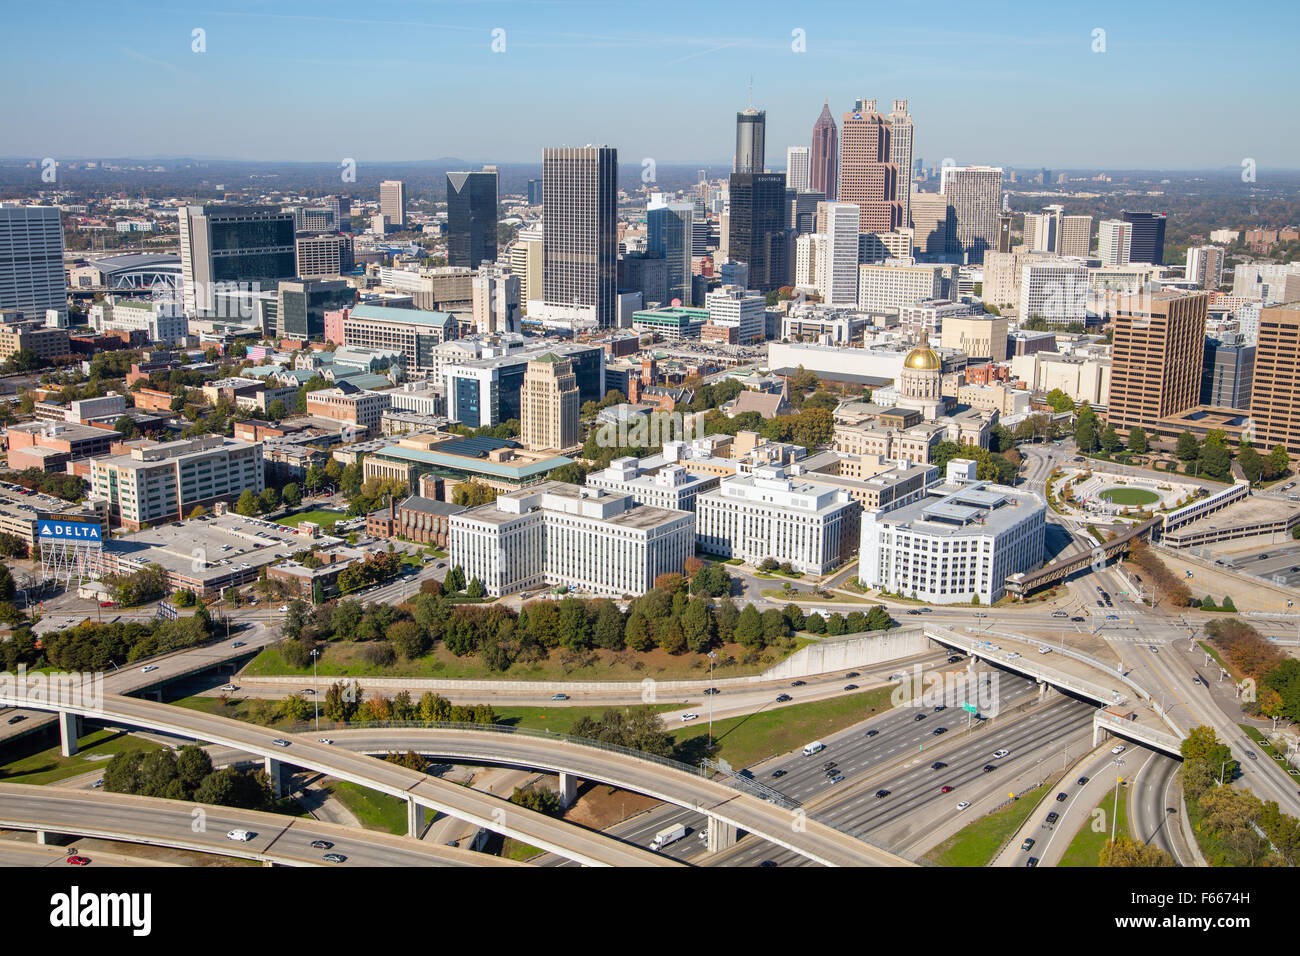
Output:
x=970 y=708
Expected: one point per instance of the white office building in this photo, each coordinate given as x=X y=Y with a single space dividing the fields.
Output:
x=958 y=543
x=768 y=515
x=892 y=285
x=798 y=165
x=162 y=320
x=842 y=223
x=556 y=534
x=32 y=279
x=746 y=311
x=1055 y=290
x=670 y=487
x=1115 y=242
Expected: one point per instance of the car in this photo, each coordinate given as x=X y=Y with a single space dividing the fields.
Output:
x=798 y=683
x=965 y=804
x=1076 y=620
x=837 y=778
x=945 y=789
x=989 y=768
x=1196 y=680
x=1081 y=781
x=1250 y=754
x=98 y=784
x=280 y=742
x=78 y=860
x=925 y=610
x=229 y=687
x=1261 y=557
x=1112 y=617
x=939 y=707
x=1062 y=797
x=1153 y=649
x=938 y=765
x=882 y=793
x=1032 y=861
x=324 y=740
x=149 y=667
x=712 y=690
x=919 y=717
x=779 y=773
x=999 y=754
x=17 y=717
x=1060 y=614
x=334 y=858
x=850 y=686
x=105 y=603
x=913 y=610
x=768 y=863
x=308 y=692
x=784 y=698
x=240 y=836
x=1013 y=655
x=322 y=845
x=955 y=659
x=1052 y=818
x=559 y=697
x=1117 y=749
x=686 y=717
x=872 y=732
x=938 y=731
x=283 y=608
x=829 y=765
x=1028 y=844
x=851 y=674
x=1044 y=649
x=1100 y=604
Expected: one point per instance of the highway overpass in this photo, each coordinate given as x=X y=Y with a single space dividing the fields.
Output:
x=1023 y=583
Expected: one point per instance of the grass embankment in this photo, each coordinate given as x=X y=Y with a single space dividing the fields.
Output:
x=322 y=517
x=376 y=811
x=976 y=844
x=1085 y=849
x=95 y=750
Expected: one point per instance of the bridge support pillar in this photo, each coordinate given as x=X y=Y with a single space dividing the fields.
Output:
x=721 y=835
x=1097 y=734
x=568 y=789
x=69 y=731
x=1044 y=688
x=275 y=770
x=414 y=819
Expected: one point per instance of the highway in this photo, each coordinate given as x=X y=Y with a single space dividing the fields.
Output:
x=202 y=827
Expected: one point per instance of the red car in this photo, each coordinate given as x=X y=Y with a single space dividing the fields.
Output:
x=105 y=603
x=78 y=860
x=945 y=789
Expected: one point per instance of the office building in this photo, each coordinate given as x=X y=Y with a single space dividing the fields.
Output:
x=823 y=174
x=934 y=225
x=1158 y=355
x=841 y=274
x=489 y=390
x=301 y=305
x=798 y=166
x=802 y=204
x=472 y=218
x=975 y=194
x=769 y=515
x=733 y=307
x=45 y=343
x=674 y=323
x=165 y=482
x=498 y=299
x=413 y=332
x=1273 y=403
x=548 y=413
x=392 y=202
x=1205 y=266
x=1115 y=242
x=650 y=481
x=161 y=320
x=890 y=286
x=237 y=250
x=554 y=534
x=328 y=254
x=750 y=134
x=32 y=279
x=358 y=408
x=1229 y=372
x=900 y=154
x=868 y=177
x=1075 y=236
x=1055 y=290
x=669 y=235
x=957 y=545
x=534 y=192
x=526 y=264
x=757 y=231
x=979 y=336
x=1148 y=244
x=579 y=223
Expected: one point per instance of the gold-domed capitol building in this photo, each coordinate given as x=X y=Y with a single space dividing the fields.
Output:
x=919 y=383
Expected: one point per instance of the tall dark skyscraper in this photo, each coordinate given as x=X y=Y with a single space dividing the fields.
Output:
x=534 y=192
x=1148 y=236
x=580 y=231
x=824 y=175
x=472 y=218
x=750 y=131
x=757 y=230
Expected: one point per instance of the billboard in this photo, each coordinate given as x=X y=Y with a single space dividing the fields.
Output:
x=53 y=529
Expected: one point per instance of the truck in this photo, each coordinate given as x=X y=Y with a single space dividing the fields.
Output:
x=668 y=835
x=815 y=747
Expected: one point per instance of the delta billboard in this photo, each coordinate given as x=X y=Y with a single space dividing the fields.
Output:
x=52 y=529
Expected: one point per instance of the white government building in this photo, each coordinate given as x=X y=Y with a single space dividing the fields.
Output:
x=768 y=515
x=671 y=487
x=554 y=533
x=960 y=541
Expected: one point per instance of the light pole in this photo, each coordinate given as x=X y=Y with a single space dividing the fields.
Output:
x=709 y=694
x=1115 y=809
x=315 y=688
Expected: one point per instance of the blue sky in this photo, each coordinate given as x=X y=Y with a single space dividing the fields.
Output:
x=1180 y=85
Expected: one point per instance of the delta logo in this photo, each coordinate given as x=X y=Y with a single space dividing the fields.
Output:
x=73 y=530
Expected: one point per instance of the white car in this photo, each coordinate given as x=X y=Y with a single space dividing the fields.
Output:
x=1044 y=650
x=241 y=836
x=323 y=740
x=229 y=687
x=149 y=667
x=1119 y=749
x=999 y=754
x=283 y=608
x=686 y=717
x=963 y=805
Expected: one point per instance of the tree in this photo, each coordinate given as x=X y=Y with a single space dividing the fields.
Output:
x=1085 y=435
x=749 y=628
x=270 y=499
x=1110 y=442
x=1125 y=851
x=247 y=504
x=1187 y=448
x=1279 y=461
x=1216 y=460
x=475 y=589
x=1059 y=401
x=292 y=495
x=698 y=626
x=455 y=580
x=1138 y=442
x=276 y=410
x=607 y=632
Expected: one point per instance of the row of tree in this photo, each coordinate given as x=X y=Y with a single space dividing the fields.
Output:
x=1276 y=676
x=187 y=774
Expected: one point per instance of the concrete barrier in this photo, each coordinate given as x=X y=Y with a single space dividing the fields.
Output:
x=864 y=650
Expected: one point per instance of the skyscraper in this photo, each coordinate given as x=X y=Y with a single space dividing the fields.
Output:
x=1115 y=242
x=975 y=194
x=1205 y=266
x=1277 y=378
x=823 y=174
x=797 y=167
x=868 y=178
x=31 y=261
x=472 y=218
x=549 y=404
x=756 y=225
x=1075 y=236
x=670 y=235
x=534 y=192
x=900 y=154
x=1157 y=358
x=1148 y=236
x=239 y=248
x=841 y=253
x=580 y=231
x=750 y=132
x=392 y=202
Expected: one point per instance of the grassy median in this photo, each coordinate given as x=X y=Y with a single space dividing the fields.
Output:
x=978 y=843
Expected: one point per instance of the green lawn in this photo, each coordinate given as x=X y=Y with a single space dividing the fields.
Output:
x=977 y=843
x=805 y=597
x=322 y=517
x=49 y=766
x=1085 y=849
x=376 y=811
x=558 y=720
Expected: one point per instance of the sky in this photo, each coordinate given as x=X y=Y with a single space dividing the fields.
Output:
x=1188 y=85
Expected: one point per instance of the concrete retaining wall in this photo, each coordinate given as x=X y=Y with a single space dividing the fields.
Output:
x=862 y=650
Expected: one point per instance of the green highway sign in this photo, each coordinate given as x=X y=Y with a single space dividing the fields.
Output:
x=970 y=708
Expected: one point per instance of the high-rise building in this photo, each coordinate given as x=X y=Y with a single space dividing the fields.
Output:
x=1055 y=290
x=1273 y=403
x=1042 y=231
x=868 y=177
x=392 y=202
x=328 y=254
x=823 y=174
x=472 y=218
x=1075 y=236
x=1005 y=220
x=1229 y=373
x=802 y=204
x=526 y=264
x=579 y=223
x=934 y=224
x=975 y=194
x=1148 y=236
x=31 y=261
x=534 y=192
x=750 y=132
x=1115 y=242
x=734 y=307
x=497 y=299
x=756 y=228
x=301 y=305
x=233 y=249
x=548 y=409
x=900 y=154
x=842 y=253
x=1157 y=357
x=798 y=165
x=1205 y=266
x=669 y=234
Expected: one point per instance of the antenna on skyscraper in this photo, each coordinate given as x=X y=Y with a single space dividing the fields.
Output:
x=751 y=91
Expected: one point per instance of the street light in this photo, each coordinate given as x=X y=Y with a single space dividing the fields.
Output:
x=315 y=688
x=1115 y=809
x=711 y=655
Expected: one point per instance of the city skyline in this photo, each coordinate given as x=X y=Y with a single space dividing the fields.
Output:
x=1077 y=112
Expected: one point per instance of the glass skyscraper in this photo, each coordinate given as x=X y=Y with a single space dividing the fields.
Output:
x=471 y=218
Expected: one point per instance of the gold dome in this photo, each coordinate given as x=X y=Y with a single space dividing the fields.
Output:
x=923 y=359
